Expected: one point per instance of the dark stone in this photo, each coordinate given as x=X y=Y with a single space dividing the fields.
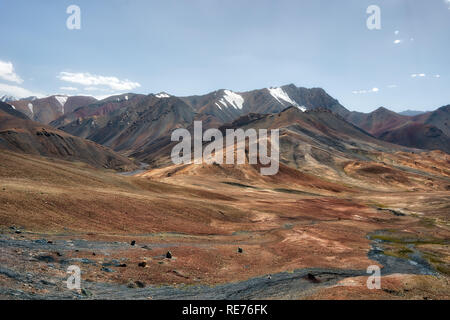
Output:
x=107 y=269
x=240 y=250
x=50 y=242
x=310 y=277
x=140 y=284
x=169 y=255
x=86 y=292
x=142 y=264
x=47 y=259
x=123 y=265
x=133 y=243
x=18 y=232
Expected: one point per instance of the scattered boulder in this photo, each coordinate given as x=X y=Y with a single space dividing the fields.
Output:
x=240 y=250
x=142 y=264
x=18 y=232
x=47 y=259
x=312 y=278
x=169 y=255
x=133 y=242
x=123 y=265
x=86 y=292
x=140 y=284
x=105 y=269
x=50 y=242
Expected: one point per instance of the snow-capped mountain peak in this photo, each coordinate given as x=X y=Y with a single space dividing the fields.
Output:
x=7 y=98
x=230 y=99
x=282 y=97
x=162 y=95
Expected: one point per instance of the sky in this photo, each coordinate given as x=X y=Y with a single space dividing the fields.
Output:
x=190 y=47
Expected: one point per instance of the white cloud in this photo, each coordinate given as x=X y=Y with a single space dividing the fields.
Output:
x=373 y=90
x=17 y=92
x=391 y=86
x=397 y=41
x=396 y=32
x=90 y=80
x=68 y=88
x=417 y=75
x=437 y=75
x=7 y=72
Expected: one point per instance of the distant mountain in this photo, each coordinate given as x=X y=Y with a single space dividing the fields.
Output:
x=411 y=113
x=19 y=134
x=7 y=98
x=227 y=105
x=428 y=130
x=50 y=108
x=137 y=124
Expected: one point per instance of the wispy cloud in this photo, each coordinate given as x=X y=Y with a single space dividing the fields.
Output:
x=373 y=90
x=398 y=41
x=418 y=75
x=68 y=88
x=7 y=72
x=17 y=91
x=392 y=86
x=89 y=80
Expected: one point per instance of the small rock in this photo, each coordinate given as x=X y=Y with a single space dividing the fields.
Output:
x=18 y=232
x=240 y=250
x=140 y=284
x=50 y=242
x=133 y=243
x=123 y=265
x=105 y=269
x=142 y=264
x=169 y=255
x=312 y=278
x=93 y=253
x=86 y=292
x=59 y=254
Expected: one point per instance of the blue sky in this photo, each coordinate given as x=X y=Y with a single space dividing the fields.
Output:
x=193 y=47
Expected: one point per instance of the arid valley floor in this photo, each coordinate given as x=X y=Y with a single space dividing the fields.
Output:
x=302 y=236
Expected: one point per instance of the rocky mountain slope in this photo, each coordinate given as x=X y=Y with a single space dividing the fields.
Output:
x=19 y=134
x=50 y=108
x=428 y=130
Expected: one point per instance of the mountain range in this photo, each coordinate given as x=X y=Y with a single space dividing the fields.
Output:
x=140 y=126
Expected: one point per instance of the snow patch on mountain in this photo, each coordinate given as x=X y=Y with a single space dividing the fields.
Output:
x=31 y=107
x=282 y=97
x=62 y=101
x=7 y=98
x=162 y=95
x=233 y=99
